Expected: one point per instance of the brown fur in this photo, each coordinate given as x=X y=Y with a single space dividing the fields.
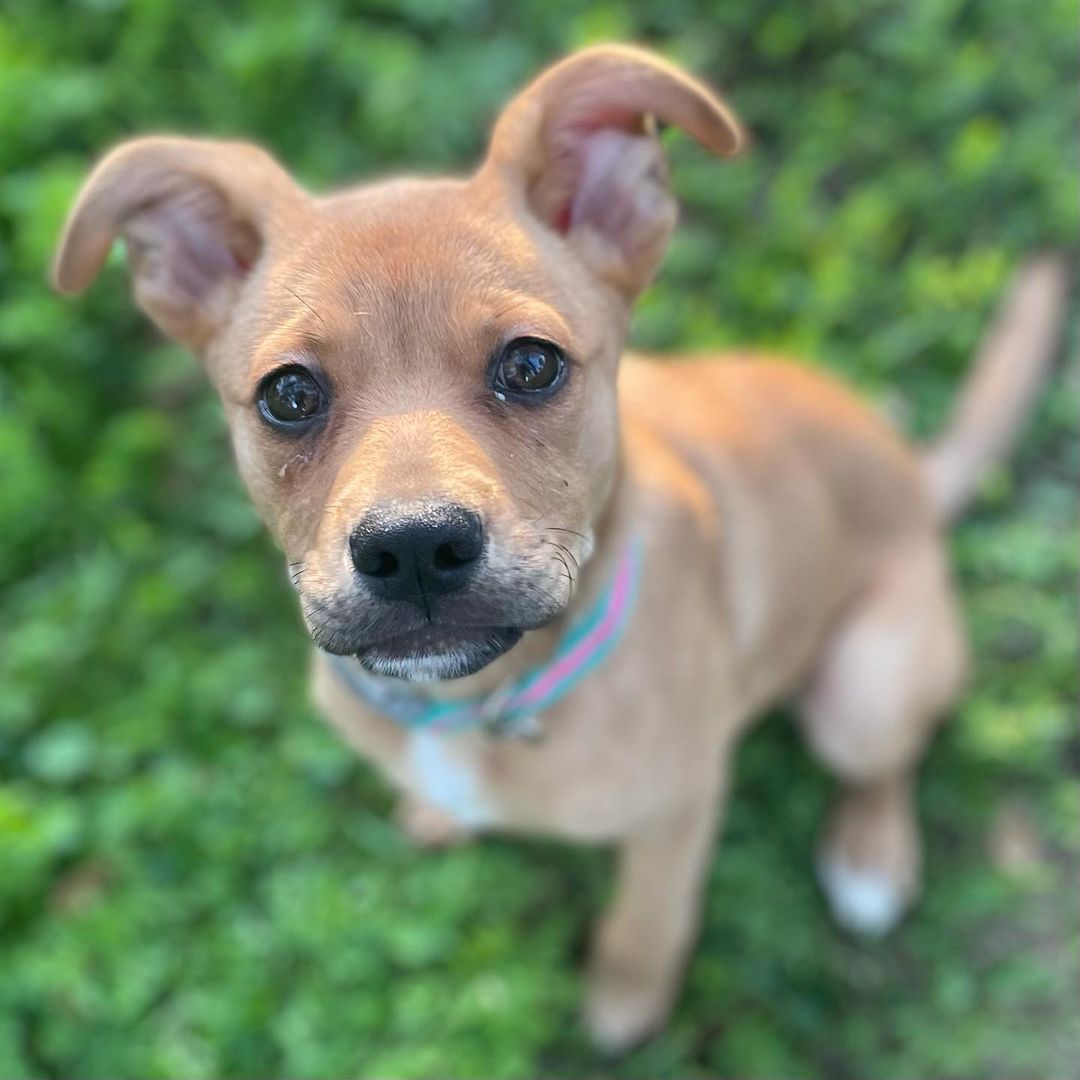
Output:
x=792 y=545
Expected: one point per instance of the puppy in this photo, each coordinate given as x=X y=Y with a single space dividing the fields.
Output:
x=551 y=584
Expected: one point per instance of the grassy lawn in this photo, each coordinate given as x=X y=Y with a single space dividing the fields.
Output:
x=197 y=879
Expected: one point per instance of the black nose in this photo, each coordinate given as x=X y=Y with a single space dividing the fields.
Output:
x=417 y=555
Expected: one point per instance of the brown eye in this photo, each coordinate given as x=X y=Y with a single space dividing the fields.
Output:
x=291 y=398
x=529 y=368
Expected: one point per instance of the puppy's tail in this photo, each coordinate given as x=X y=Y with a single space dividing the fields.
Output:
x=1011 y=366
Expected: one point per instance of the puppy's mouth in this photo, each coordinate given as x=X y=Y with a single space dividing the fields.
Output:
x=438 y=652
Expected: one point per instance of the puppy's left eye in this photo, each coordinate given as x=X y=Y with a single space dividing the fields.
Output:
x=291 y=398
x=529 y=367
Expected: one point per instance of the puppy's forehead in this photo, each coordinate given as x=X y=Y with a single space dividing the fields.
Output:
x=409 y=268
x=413 y=239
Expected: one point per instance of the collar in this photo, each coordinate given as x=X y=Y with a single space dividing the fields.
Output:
x=513 y=708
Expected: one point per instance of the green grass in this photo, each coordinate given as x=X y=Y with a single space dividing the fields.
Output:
x=197 y=879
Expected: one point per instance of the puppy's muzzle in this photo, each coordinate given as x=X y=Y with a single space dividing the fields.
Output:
x=417 y=553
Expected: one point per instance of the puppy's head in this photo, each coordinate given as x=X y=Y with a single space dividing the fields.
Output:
x=419 y=375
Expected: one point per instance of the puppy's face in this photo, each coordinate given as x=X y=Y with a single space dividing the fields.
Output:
x=425 y=416
x=419 y=376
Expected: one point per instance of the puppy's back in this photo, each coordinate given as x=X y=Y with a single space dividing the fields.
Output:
x=785 y=431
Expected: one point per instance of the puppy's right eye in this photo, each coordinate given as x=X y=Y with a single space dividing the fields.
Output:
x=528 y=369
x=291 y=399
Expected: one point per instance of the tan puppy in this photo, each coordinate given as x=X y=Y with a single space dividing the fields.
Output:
x=423 y=383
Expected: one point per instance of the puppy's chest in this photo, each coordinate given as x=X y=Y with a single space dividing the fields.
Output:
x=452 y=775
x=572 y=787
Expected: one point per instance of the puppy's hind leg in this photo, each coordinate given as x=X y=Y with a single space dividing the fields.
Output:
x=884 y=680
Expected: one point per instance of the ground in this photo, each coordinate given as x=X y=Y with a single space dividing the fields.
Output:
x=199 y=880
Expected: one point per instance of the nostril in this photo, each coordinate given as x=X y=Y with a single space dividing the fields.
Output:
x=384 y=564
x=373 y=559
x=450 y=556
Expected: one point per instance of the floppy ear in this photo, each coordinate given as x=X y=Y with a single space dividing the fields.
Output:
x=196 y=215
x=581 y=145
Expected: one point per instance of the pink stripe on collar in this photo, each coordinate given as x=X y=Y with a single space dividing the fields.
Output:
x=568 y=667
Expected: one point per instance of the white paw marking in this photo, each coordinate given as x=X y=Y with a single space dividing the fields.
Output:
x=861 y=901
x=440 y=774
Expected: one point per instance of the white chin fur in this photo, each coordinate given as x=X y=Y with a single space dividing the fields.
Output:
x=428 y=668
x=862 y=901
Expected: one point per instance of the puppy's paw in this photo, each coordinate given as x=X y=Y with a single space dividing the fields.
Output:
x=869 y=859
x=621 y=1011
x=427 y=826
x=864 y=901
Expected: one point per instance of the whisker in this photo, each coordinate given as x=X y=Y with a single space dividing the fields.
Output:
x=569 y=574
x=565 y=550
x=304 y=302
x=572 y=532
x=570 y=555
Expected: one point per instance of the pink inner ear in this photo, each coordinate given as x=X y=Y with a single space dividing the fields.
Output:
x=192 y=243
x=578 y=136
x=618 y=187
x=201 y=254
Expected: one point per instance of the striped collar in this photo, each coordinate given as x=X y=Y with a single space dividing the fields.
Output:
x=513 y=708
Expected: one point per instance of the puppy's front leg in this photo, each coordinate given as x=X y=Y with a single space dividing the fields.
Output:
x=641 y=945
x=428 y=826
